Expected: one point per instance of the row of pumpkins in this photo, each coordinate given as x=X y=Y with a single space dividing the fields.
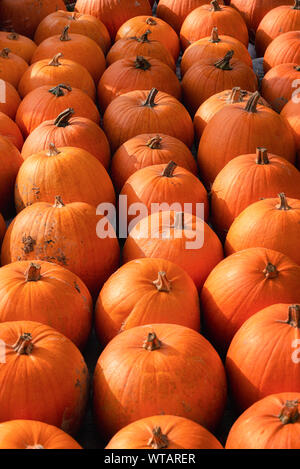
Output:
x=159 y=383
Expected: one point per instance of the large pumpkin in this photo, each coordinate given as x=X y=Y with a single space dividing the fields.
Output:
x=138 y=112
x=68 y=235
x=239 y=129
x=10 y=162
x=69 y=131
x=10 y=130
x=136 y=73
x=12 y=67
x=247 y=179
x=10 y=99
x=18 y=44
x=113 y=13
x=179 y=237
x=23 y=16
x=31 y=434
x=47 y=293
x=146 y=150
x=47 y=102
x=264 y=349
x=69 y=171
x=146 y=291
x=164 y=432
x=271 y=423
x=174 y=12
x=241 y=285
x=283 y=49
x=162 y=369
x=280 y=83
x=275 y=224
x=200 y=22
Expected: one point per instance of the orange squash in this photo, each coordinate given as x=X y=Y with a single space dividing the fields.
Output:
x=10 y=162
x=291 y=113
x=9 y=105
x=10 y=130
x=283 y=49
x=280 y=83
x=18 y=44
x=12 y=67
x=174 y=12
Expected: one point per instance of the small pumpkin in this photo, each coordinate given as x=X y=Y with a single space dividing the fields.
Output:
x=10 y=100
x=10 y=162
x=9 y=129
x=278 y=84
x=174 y=12
x=283 y=49
x=18 y=44
x=12 y=67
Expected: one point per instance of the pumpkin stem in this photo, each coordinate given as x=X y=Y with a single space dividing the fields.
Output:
x=37 y=446
x=294 y=316
x=151 y=97
x=33 y=273
x=283 y=202
x=289 y=412
x=179 y=221
x=58 y=202
x=13 y=36
x=296 y=5
x=144 y=37
x=151 y=21
x=154 y=142
x=63 y=118
x=158 y=439
x=53 y=151
x=224 y=64
x=24 y=344
x=270 y=271
x=214 y=37
x=215 y=5
x=262 y=156
x=297 y=68
x=58 y=90
x=236 y=95
x=4 y=53
x=152 y=342
x=65 y=34
x=252 y=102
x=162 y=283
x=141 y=63
x=169 y=169
x=55 y=61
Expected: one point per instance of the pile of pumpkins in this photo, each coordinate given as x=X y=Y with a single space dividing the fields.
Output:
x=95 y=104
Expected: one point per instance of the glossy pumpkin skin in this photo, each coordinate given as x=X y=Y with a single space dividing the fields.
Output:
x=50 y=368
x=18 y=44
x=130 y=115
x=164 y=432
x=160 y=30
x=69 y=171
x=247 y=179
x=261 y=350
x=273 y=221
x=208 y=77
x=146 y=291
x=113 y=13
x=291 y=113
x=278 y=21
x=174 y=12
x=144 y=46
x=10 y=162
x=147 y=150
x=80 y=132
x=136 y=73
x=184 y=247
x=12 y=101
x=76 y=47
x=221 y=139
x=55 y=71
x=243 y=284
x=271 y=423
x=283 y=49
x=31 y=434
x=12 y=67
x=214 y=47
x=142 y=387
x=87 y=25
x=66 y=235
x=278 y=84
x=47 y=293
x=23 y=16
x=200 y=22
x=168 y=183
x=47 y=102
x=10 y=130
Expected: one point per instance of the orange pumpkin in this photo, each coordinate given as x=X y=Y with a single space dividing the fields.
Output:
x=18 y=44
x=136 y=73
x=278 y=85
x=174 y=12
x=11 y=102
x=46 y=103
x=66 y=235
x=275 y=224
x=51 y=369
x=271 y=423
x=146 y=291
x=243 y=284
x=137 y=112
x=283 y=49
x=178 y=237
x=147 y=150
x=10 y=130
x=47 y=293
x=164 y=432
x=69 y=131
x=153 y=362
x=291 y=113
x=12 y=67
x=57 y=70
x=10 y=162
x=261 y=351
